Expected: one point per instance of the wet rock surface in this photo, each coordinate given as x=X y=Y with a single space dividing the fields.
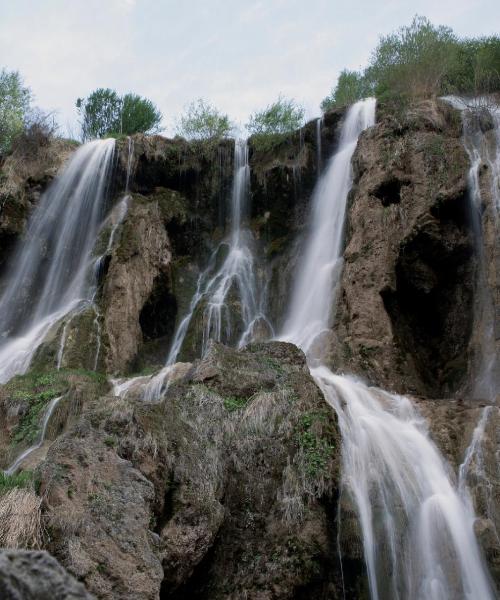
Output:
x=404 y=313
x=467 y=432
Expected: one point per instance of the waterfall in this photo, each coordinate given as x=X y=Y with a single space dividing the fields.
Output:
x=39 y=442
x=49 y=275
x=483 y=149
x=223 y=285
x=417 y=530
x=313 y=294
x=236 y=274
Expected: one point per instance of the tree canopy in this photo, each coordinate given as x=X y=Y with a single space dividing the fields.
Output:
x=422 y=60
x=202 y=121
x=15 y=101
x=105 y=113
x=270 y=125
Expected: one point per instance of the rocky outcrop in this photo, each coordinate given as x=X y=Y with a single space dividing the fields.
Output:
x=37 y=576
x=225 y=487
x=404 y=313
x=137 y=284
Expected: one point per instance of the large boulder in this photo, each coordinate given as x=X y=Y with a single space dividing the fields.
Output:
x=37 y=576
x=224 y=486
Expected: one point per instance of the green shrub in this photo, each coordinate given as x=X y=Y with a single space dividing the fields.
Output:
x=24 y=479
x=422 y=60
x=14 y=105
x=351 y=87
x=271 y=125
x=203 y=122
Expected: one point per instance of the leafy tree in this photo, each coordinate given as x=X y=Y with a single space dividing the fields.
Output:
x=203 y=122
x=422 y=60
x=413 y=62
x=139 y=115
x=351 y=87
x=104 y=113
x=14 y=105
x=100 y=113
x=270 y=125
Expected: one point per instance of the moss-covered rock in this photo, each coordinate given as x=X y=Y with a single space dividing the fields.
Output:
x=225 y=486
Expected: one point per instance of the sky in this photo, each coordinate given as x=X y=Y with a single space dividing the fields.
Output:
x=238 y=55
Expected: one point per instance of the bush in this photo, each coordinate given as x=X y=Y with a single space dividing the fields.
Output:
x=351 y=87
x=105 y=113
x=422 y=60
x=203 y=122
x=14 y=104
x=39 y=128
x=412 y=62
x=271 y=125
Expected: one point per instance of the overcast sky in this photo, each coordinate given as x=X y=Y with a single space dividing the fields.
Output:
x=239 y=55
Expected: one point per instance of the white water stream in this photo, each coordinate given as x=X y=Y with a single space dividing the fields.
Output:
x=224 y=285
x=483 y=148
x=50 y=273
x=416 y=527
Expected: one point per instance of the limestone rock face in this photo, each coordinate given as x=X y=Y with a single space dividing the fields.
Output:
x=37 y=576
x=140 y=261
x=404 y=313
x=226 y=486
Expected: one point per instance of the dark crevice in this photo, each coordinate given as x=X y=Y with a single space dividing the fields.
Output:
x=431 y=307
x=157 y=317
x=389 y=192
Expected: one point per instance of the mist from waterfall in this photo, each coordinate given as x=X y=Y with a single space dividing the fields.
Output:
x=50 y=273
x=417 y=529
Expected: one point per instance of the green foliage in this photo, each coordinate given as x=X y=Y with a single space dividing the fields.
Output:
x=105 y=113
x=232 y=403
x=14 y=105
x=24 y=479
x=271 y=125
x=37 y=389
x=203 y=122
x=422 y=60
x=139 y=115
x=351 y=87
x=316 y=447
x=413 y=61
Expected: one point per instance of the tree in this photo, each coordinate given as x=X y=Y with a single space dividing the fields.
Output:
x=351 y=87
x=414 y=61
x=139 y=115
x=270 y=125
x=203 y=122
x=14 y=105
x=104 y=113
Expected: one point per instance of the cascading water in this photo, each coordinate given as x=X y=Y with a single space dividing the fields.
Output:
x=313 y=295
x=114 y=220
x=417 y=530
x=234 y=275
x=50 y=275
x=483 y=148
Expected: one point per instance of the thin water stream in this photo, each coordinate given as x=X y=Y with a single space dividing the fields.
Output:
x=227 y=291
